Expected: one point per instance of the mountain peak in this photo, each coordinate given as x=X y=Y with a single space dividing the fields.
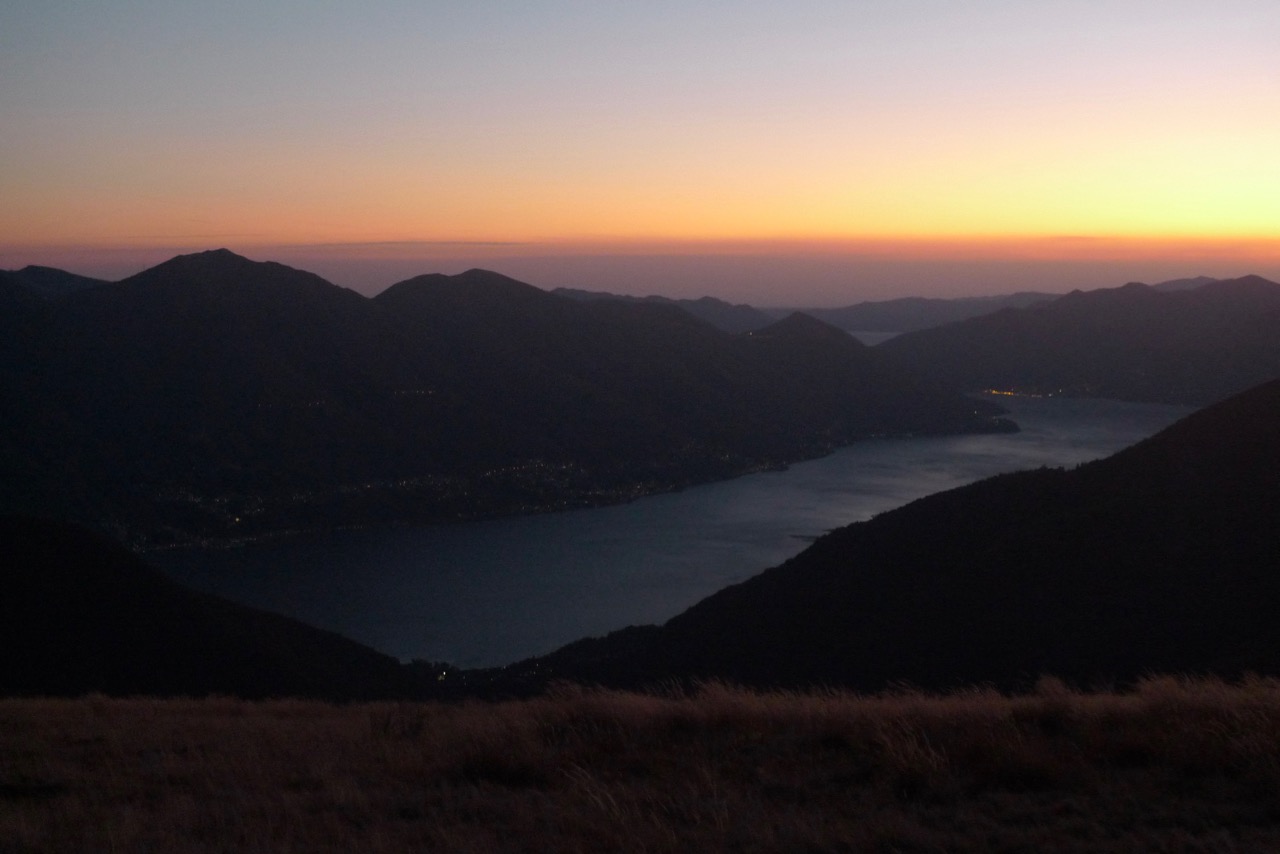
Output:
x=220 y=273
x=476 y=287
x=211 y=262
x=800 y=326
x=480 y=274
x=211 y=257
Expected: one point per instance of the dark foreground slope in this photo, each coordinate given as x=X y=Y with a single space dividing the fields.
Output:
x=1133 y=343
x=213 y=396
x=1172 y=767
x=1164 y=557
x=80 y=614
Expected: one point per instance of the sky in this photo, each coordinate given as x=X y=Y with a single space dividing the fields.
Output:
x=799 y=153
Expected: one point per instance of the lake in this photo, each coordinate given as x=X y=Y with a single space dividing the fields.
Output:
x=493 y=592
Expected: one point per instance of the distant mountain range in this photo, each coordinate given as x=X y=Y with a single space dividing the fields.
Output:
x=1161 y=558
x=896 y=315
x=217 y=397
x=906 y=314
x=1188 y=346
x=1185 y=341
x=212 y=396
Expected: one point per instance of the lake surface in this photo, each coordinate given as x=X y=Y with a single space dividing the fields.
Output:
x=493 y=592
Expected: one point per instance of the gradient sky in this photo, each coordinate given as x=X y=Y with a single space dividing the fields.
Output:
x=779 y=153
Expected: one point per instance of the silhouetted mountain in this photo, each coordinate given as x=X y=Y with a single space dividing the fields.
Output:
x=48 y=282
x=193 y=381
x=1133 y=343
x=216 y=396
x=723 y=315
x=1161 y=558
x=79 y=614
x=912 y=313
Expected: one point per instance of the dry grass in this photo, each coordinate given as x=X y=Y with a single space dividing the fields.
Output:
x=1174 y=765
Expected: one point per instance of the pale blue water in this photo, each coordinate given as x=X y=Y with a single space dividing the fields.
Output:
x=493 y=592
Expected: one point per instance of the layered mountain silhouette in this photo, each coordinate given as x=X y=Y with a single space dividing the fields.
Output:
x=1191 y=346
x=895 y=315
x=911 y=313
x=214 y=396
x=731 y=317
x=80 y=613
x=1161 y=558
x=905 y=314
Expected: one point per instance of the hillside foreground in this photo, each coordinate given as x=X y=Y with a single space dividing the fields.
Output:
x=1171 y=765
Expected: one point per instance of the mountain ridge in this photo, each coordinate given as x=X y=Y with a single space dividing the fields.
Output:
x=1135 y=342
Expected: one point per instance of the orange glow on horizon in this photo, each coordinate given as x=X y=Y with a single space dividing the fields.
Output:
x=976 y=247
x=988 y=130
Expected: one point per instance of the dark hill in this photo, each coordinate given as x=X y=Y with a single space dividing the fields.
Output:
x=800 y=326
x=81 y=614
x=838 y=369
x=646 y=380
x=178 y=394
x=48 y=282
x=214 y=396
x=477 y=294
x=1134 y=342
x=1161 y=558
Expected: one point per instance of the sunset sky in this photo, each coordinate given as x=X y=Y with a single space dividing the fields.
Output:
x=778 y=153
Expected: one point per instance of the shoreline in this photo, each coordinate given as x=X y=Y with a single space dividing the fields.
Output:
x=590 y=498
